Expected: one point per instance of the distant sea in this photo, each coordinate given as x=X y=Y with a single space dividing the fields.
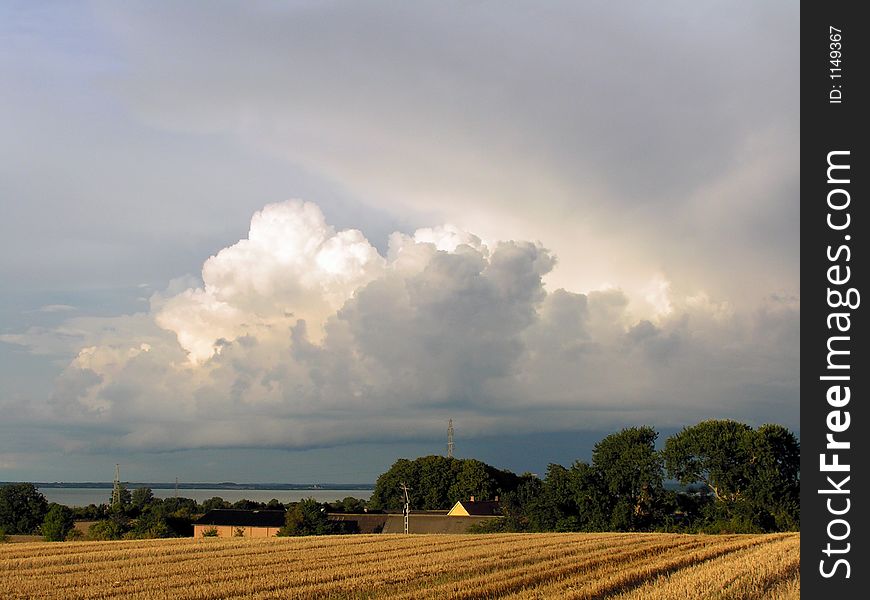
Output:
x=71 y=496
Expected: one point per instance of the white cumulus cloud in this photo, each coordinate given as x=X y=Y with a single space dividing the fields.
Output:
x=301 y=335
x=291 y=266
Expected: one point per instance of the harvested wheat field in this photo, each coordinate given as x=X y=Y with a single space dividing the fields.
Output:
x=624 y=566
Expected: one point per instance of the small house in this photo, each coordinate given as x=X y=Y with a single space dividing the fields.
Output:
x=239 y=523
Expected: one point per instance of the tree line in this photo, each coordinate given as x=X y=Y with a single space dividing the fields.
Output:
x=733 y=478
x=138 y=514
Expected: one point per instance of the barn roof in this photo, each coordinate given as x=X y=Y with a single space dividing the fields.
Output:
x=481 y=508
x=243 y=518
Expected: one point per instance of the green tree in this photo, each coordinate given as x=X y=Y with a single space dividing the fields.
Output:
x=591 y=500
x=714 y=453
x=184 y=508
x=120 y=503
x=556 y=509
x=307 y=517
x=113 y=528
x=151 y=523
x=437 y=482
x=58 y=523
x=245 y=504
x=22 y=508
x=473 y=479
x=630 y=469
x=215 y=503
x=91 y=512
x=141 y=497
x=350 y=505
x=386 y=495
x=774 y=488
x=178 y=514
x=753 y=475
x=519 y=507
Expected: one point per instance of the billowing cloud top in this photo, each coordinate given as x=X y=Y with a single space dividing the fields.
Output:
x=292 y=265
x=301 y=335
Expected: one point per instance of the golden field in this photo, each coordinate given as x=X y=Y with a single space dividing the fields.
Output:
x=549 y=565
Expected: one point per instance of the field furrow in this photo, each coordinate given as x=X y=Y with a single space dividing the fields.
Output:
x=520 y=566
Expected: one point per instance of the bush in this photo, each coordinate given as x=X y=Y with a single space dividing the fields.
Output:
x=109 y=529
x=91 y=512
x=210 y=532
x=150 y=524
x=499 y=525
x=2 y=535
x=306 y=518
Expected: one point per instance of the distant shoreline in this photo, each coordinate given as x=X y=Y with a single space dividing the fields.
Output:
x=204 y=486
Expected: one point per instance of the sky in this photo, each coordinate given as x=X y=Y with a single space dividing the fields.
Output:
x=287 y=241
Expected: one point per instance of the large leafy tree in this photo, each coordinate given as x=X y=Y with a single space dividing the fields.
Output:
x=473 y=479
x=592 y=502
x=753 y=475
x=553 y=508
x=437 y=482
x=714 y=453
x=521 y=506
x=58 y=523
x=630 y=471
x=22 y=508
x=141 y=497
x=774 y=488
x=387 y=495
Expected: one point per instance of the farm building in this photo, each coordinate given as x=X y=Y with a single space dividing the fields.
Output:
x=240 y=523
x=419 y=522
x=472 y=508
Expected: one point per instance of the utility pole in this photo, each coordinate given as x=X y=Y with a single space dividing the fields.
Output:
x=407 y=510
x=450 y=438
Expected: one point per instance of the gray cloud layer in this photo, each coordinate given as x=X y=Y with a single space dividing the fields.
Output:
x=664 y=137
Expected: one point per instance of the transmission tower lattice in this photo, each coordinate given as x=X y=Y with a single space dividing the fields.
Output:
x=450 y=438
x=116 y=487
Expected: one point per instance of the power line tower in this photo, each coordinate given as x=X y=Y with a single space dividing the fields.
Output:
x=407 y=510
x=450 y=438
x=116 y=487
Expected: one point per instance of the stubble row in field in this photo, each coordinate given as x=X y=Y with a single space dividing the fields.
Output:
x=625 y=566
